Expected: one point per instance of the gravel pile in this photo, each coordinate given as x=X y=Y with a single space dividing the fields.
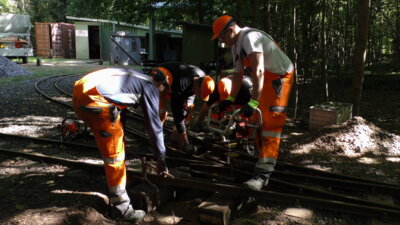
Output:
x=9 y=68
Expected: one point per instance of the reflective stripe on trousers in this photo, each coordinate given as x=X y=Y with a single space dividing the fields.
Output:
x=108 y=135
x=273 y=110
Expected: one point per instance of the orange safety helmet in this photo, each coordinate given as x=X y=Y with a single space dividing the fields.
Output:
x=206 y=88
x=224 y=88
x=220 y=24
x=162 y=74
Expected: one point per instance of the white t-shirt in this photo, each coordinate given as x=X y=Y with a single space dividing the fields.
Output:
x=275 y=60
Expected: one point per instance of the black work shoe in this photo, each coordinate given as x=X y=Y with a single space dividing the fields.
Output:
x=257 y=182
x=130 y=215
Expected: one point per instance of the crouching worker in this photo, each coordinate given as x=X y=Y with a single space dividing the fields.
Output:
x=98 y=98
x=186 y=82
x=221 y=92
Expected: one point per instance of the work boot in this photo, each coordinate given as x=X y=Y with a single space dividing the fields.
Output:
x=130 y=214
x=258 y=181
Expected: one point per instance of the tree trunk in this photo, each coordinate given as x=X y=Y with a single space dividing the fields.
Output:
x=360 y=53
x=293 y=56
x=200 y=10
x=323 y=50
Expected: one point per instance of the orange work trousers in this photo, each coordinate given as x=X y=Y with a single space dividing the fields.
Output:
x=97 y=113
x=273 y=103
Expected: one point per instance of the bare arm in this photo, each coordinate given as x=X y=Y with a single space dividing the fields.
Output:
x=237 y=80
x=257 y=67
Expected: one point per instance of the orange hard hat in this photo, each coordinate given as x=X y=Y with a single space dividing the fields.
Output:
x=224 y=88
x=220 y=24
x=207 y=87
x=162 y=74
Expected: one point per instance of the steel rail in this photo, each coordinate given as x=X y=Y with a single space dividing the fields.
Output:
x=280 y=165
x=227 y=188
x=57 y=86
x=77 y=146
x=208 y=170
x=46 y=95
x=288 y=166
x=323 y=177
x=275 y=183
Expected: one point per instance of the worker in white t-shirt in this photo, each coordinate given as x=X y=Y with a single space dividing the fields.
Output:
x=272 y=72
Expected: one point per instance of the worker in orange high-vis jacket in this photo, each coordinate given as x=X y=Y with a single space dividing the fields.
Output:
x=272 y=72
x=185 y=82
x=98 y=99
x=221 y=92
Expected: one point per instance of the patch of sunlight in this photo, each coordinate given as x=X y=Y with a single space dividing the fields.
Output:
x=296 y=134
x=367 y=160
x=101 y=195
x=299 y=151
x=64 y=99
x=32 y=131
x=47 y=64
x=32 y=119
x=169 y=219
x=393 y=159
x=92 y=161
x=28 y=125
x=319 y=167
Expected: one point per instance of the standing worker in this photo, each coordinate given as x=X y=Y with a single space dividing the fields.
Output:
x=98 y=99
x=185 y=82
x=272 y=73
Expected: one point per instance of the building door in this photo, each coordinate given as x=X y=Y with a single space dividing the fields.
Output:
x=94 y=42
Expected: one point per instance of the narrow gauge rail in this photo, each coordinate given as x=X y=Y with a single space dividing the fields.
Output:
x=201 y=175
x=328 y=178
x=308 y=173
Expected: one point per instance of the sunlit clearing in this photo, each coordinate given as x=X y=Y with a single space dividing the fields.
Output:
x=367 y=160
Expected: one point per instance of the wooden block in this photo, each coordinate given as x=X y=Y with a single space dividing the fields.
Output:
x=300 y=213
x=217 y=209
x=150 y=196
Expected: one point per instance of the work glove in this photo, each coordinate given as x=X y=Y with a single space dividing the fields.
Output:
x=225 y=103
x=189 y=148
x=162 y=166
x=249 y=108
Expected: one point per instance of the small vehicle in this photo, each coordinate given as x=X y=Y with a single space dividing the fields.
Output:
x=15 y=36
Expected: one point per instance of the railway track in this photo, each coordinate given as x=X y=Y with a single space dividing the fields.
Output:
x=277 y=191
x=290 y=183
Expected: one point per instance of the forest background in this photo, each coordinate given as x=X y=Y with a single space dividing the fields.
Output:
x=339 y=40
